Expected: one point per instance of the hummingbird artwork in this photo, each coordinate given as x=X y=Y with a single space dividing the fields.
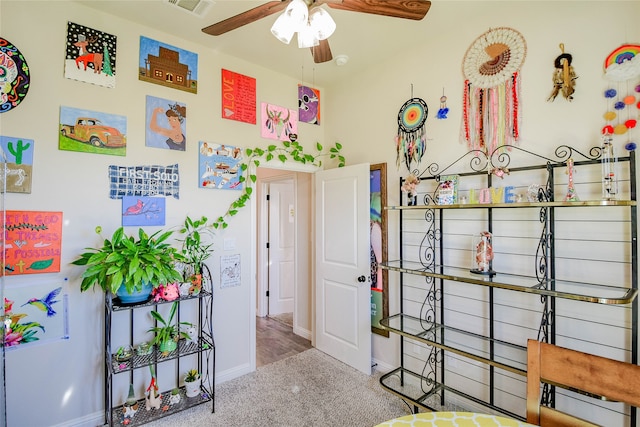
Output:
x=46 y=303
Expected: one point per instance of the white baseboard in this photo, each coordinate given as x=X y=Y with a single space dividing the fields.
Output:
x=304 y=333
x=230 y=374
x=383 y=367
x=91 y=420
x=97 y=418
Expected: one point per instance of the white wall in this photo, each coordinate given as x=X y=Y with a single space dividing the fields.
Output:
x=436 y=63
x=358 y=113
x=70 y=373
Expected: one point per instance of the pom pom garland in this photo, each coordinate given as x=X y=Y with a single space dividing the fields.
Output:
x=618 y=105
x=620 y=129
x=611 y=93
x=630 y=146
x=629 y=99
x=607 y=130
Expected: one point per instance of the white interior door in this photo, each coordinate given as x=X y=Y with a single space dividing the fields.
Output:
x=281 y=246
x=343 y=293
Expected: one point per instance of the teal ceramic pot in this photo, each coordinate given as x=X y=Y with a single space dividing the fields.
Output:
x=136 y=296
x=167 y=346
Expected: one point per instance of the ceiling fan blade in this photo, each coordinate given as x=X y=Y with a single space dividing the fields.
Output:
x=408 y=9
x=245 y=18
x=322 y=52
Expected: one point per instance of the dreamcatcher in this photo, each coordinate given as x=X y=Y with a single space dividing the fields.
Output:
x=411 y=140
x=491 y=96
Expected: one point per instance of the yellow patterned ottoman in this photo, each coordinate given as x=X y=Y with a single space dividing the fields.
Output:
x=453 y=419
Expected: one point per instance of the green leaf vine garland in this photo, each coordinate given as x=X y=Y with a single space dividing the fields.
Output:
x=289 y=151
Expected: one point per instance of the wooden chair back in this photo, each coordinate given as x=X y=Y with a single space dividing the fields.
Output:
x=548 y=363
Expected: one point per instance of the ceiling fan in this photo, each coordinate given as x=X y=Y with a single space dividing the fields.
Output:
x=407 y=9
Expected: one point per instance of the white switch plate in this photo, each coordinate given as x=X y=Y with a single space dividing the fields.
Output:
x=229 y=244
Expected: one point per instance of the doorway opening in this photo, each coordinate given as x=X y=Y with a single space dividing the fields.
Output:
x=284 y=264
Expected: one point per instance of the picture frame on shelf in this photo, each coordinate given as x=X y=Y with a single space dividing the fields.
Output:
x=448 y=190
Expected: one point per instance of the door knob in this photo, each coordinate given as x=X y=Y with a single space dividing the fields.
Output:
x=361 y=279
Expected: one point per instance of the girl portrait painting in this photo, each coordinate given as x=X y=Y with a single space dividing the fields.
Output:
x=166 y=124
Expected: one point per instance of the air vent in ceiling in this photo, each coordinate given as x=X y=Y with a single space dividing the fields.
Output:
x=194 y=7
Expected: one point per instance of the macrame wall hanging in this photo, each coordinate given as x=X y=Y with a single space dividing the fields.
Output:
x=411 y=140
x=491 y=95
x=622 y=70
x=564 y=76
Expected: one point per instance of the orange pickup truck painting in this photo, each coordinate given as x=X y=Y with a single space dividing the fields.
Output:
x=92 y=131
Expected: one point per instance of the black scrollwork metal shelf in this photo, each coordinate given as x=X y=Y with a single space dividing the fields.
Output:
x=142 y=416
x=584 y=203
x=507 y=356
x=115 y=305
x=185 y=348
x=587 y=292
x=435 y=310
x=200 y=351
x=426 y=394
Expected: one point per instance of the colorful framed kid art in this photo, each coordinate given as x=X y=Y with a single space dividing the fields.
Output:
x=308 y=105
x=167 y=65
x=278 y=122
x=92 y=132
x=143 y=210
x=14 y=77
x=219 y=166
x=35 y=313
x=378 y=230
x=90 y=56
x=238 y=97
x=19 y=155
x=33 y=242
x=166 y=125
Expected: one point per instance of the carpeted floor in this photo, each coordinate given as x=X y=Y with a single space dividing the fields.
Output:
x=308 y=389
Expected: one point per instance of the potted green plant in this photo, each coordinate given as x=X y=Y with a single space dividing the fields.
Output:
x=196 y=244
x=167 y=332
x=192 y=383
x=130 y=266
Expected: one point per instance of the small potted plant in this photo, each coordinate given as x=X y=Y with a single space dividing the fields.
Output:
x=130 y=267
x=195 y=250
x=175 y=396
x=167 y=332
x=192 y=383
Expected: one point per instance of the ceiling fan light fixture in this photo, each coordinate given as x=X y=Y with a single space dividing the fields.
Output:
x=283 y=29
x=298 y=12
x=321 y=23
x=307 y=37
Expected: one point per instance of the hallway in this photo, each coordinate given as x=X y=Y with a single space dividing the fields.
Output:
x=276 y=340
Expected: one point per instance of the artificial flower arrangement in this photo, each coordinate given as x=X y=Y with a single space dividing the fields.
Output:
x=168 y=292
x=409 y=185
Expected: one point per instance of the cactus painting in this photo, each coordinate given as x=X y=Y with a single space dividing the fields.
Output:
x=18 y=154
